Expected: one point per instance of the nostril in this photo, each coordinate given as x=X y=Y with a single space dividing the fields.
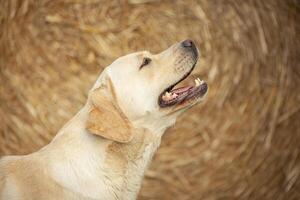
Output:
x=187 y=43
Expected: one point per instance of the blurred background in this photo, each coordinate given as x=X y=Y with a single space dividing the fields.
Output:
x=243 y=142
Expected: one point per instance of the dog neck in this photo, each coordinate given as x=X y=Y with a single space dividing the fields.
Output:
x=130 y=161
x=112 y=170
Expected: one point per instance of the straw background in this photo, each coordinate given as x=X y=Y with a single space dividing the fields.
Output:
x=243 y=142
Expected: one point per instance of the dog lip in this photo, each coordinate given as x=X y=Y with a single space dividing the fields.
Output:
x=185 y=94
x=173 y=85
x=168 y=89
x=184 y=77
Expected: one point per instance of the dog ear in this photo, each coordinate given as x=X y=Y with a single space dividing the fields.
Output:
x=106 y=118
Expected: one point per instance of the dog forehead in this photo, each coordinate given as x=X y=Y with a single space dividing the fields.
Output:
x=125 y=69
x=127 y=60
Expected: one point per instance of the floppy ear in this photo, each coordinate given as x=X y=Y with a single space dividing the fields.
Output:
x=106 y=117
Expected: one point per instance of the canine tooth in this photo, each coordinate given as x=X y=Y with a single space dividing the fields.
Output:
x=167 y=96
x=201 y=82
x=197 y=82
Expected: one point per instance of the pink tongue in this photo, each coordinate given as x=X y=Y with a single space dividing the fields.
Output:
x=181 y=89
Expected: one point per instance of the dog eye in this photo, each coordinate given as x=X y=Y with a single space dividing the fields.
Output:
x=145 y=62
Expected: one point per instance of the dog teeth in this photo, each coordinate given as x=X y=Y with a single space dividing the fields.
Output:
x=167 y=96
x=198 y=82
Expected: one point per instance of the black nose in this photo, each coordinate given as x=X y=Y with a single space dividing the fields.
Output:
x=189 y=44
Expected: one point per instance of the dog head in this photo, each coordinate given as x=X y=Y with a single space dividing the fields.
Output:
x=139 y=90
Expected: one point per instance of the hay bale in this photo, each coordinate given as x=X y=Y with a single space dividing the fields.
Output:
x=242 y=143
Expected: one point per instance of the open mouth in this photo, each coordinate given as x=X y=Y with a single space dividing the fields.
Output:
x=174 y=96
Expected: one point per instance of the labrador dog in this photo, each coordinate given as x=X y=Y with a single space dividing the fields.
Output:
x=104 y=150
